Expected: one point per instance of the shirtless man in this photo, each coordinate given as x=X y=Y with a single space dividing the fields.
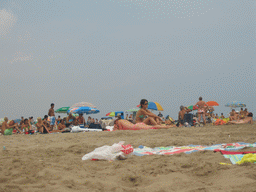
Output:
x=51 y=114
x=7 y=129
x=181 y=115
x=201 y=109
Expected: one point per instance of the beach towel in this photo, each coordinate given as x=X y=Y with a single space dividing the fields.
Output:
x=248 y=158
x=234 y=158
x=143 y=150
x=233 y=152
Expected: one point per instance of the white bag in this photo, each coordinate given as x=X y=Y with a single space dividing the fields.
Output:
x=76 y=129
x=106 y=152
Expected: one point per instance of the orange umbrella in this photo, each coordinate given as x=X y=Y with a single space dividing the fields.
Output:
x=212 y=103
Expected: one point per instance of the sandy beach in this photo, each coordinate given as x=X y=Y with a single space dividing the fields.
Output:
x=54 y=162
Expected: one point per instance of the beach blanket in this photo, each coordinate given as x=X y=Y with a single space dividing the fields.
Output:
x=241 y=158
x=143 y=150
x=234 y=158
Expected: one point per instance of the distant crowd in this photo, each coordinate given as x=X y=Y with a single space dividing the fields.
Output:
x=49 y=123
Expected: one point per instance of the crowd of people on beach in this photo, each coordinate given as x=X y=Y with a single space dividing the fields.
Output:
x=144 y=117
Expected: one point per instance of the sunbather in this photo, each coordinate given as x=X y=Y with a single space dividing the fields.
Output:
x=152 y=119
x=122 y=124
x=27 y=127
x=242 y=121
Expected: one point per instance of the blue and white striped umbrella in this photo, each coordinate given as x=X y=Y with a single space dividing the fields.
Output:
x=235 y=104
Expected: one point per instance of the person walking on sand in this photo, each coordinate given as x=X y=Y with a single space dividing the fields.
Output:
x=51 y=114
x=201 y=109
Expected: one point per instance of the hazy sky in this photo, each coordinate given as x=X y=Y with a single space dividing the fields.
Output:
x=113 y=53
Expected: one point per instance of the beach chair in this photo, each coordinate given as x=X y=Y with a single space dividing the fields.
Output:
x=188 y=117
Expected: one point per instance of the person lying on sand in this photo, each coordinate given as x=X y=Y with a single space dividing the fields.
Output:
x=152 y=119
x=122 y=124
x=7 y=129
x=242 y=121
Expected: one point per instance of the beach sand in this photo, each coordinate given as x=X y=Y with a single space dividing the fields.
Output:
x=54 y=162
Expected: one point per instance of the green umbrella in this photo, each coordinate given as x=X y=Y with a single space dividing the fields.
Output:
x=132 y=110
x=62 y=110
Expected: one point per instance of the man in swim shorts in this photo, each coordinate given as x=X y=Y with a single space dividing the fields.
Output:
x=52 y=116
x=201 y=109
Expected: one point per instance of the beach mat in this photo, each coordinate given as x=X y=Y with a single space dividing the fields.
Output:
x=143 y=150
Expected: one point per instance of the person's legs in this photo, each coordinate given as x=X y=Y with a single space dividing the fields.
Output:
x=203 y=114
x=150 y=121
x=199 y=117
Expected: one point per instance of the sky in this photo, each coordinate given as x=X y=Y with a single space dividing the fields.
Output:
x=113 y=53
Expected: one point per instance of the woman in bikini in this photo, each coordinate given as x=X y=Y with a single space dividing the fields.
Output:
x=201 y=109
x=152 y=119
x=41 y=127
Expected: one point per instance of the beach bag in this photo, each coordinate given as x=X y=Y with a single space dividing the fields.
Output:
x=109 y=153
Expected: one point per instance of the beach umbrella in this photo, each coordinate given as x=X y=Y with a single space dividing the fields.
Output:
x=83 y=110
x=192 y=107
x=235 y=104
x=212 y=103
x=132 y=110
x=62 y=110
x=154 y=106
x=111 y=114
x=83 y=104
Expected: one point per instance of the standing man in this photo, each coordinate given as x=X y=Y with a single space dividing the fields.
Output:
x=52 y=116
x=201 y=109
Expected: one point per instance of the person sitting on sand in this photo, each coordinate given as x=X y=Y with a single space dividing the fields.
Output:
x=81 y=119
x=152 y=119
x=232 y=115
x=246 y=112
x=58 y=120
x=181 y=116
x=222 y=116
x=89 y=120
x=46 y=123
x=216 y=116
x=61 y=125
x=27 y=127
x=201 y=109
x=69 y=119
x=7 y=129
x=41 y=126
